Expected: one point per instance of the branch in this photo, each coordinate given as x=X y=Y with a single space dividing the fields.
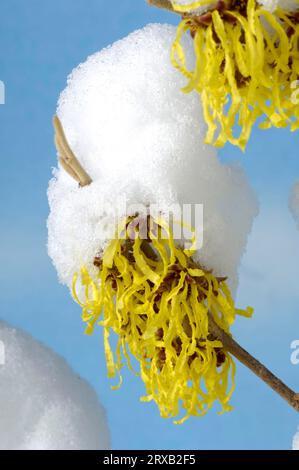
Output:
x=254 y=365
x=67 y=158
x=71 y=164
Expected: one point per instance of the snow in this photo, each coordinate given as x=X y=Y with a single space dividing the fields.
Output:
x=44 y=404
x=287 y=5
x=141 y=139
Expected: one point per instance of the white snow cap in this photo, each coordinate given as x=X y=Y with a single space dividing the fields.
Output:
x=294 y=202
x=44 y=405
x=296 y=441
x=271 y=5
x=287 y=5
x=139 y=136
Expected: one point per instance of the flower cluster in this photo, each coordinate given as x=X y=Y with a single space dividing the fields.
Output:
x=157 y=301
x=247 y=60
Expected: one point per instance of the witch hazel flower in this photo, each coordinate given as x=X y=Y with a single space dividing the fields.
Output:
x=246 y=64
x=136 y=147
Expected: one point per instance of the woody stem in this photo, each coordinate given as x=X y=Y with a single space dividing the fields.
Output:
x=254 y=365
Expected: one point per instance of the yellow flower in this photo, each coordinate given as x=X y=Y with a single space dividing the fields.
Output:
x=156 y=299
x=247 y=61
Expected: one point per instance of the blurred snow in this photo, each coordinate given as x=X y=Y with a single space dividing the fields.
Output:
x=44 y=405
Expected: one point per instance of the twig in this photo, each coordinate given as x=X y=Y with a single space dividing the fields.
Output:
x=74 y=168
x=254 y=365
x=67 y=158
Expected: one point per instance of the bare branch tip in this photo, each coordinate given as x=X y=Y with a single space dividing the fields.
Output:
x=68 y=160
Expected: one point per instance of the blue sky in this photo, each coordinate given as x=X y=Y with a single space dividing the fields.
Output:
x=40 y=44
